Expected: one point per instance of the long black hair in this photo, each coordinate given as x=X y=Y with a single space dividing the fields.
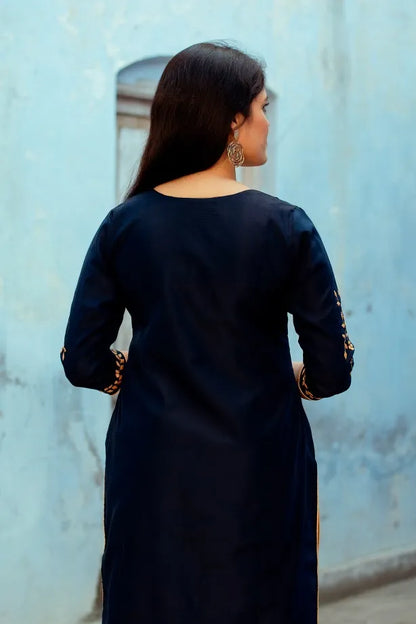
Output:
x=200 y=91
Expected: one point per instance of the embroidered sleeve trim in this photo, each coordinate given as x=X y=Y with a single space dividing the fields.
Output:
x=120 y=363
x=305 y=393
x=348 y=346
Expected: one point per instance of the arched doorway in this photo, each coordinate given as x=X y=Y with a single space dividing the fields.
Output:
x=136 y=85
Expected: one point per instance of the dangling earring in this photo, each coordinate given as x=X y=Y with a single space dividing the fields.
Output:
x=235 y=151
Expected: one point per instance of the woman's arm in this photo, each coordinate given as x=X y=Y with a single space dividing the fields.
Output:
x=319 y=321
x=94 y=320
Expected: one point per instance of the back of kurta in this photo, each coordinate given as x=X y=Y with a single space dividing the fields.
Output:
x=210 y=492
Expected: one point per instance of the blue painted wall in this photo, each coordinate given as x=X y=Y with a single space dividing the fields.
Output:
x=344 y=74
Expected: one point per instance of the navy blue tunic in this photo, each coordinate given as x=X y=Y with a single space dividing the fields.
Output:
x=210 y=483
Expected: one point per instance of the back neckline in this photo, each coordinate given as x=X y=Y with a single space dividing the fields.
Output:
x=202 y=198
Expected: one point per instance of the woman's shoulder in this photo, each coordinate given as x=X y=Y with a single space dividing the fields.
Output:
x=283 y=207
x=273 y=202
x=132 y=204
x=279 y=210
x=261 y=205
x=129 y=210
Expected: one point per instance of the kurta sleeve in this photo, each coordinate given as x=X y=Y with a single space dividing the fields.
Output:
x=95 y=317
x=317 y=315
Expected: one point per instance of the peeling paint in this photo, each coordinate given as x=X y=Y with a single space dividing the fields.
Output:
x=389 y=440
x=6 y=379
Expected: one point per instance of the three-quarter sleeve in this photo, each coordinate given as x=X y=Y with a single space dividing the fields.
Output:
x=318 y=318
x=95 y=317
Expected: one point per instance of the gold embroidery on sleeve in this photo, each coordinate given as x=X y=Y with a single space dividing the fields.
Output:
x=120 y=362
x=305 y=393
x=348 y=346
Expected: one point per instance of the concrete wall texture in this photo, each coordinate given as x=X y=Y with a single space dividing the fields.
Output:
x=343 y=73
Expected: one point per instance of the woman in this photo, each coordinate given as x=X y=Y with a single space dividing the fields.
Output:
x=211 y=487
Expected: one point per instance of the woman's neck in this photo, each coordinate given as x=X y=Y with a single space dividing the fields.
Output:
x=216 y=181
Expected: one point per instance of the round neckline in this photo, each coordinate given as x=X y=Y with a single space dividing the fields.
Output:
x=202 y=198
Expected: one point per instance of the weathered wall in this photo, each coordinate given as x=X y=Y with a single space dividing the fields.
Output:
x=343 y=73
x=346 y=153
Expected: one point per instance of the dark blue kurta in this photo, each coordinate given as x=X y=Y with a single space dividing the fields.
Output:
x=211 y=486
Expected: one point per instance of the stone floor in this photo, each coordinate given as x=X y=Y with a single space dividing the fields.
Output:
x=390 y=604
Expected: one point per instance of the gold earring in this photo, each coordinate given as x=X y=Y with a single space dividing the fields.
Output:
x=235 y=151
